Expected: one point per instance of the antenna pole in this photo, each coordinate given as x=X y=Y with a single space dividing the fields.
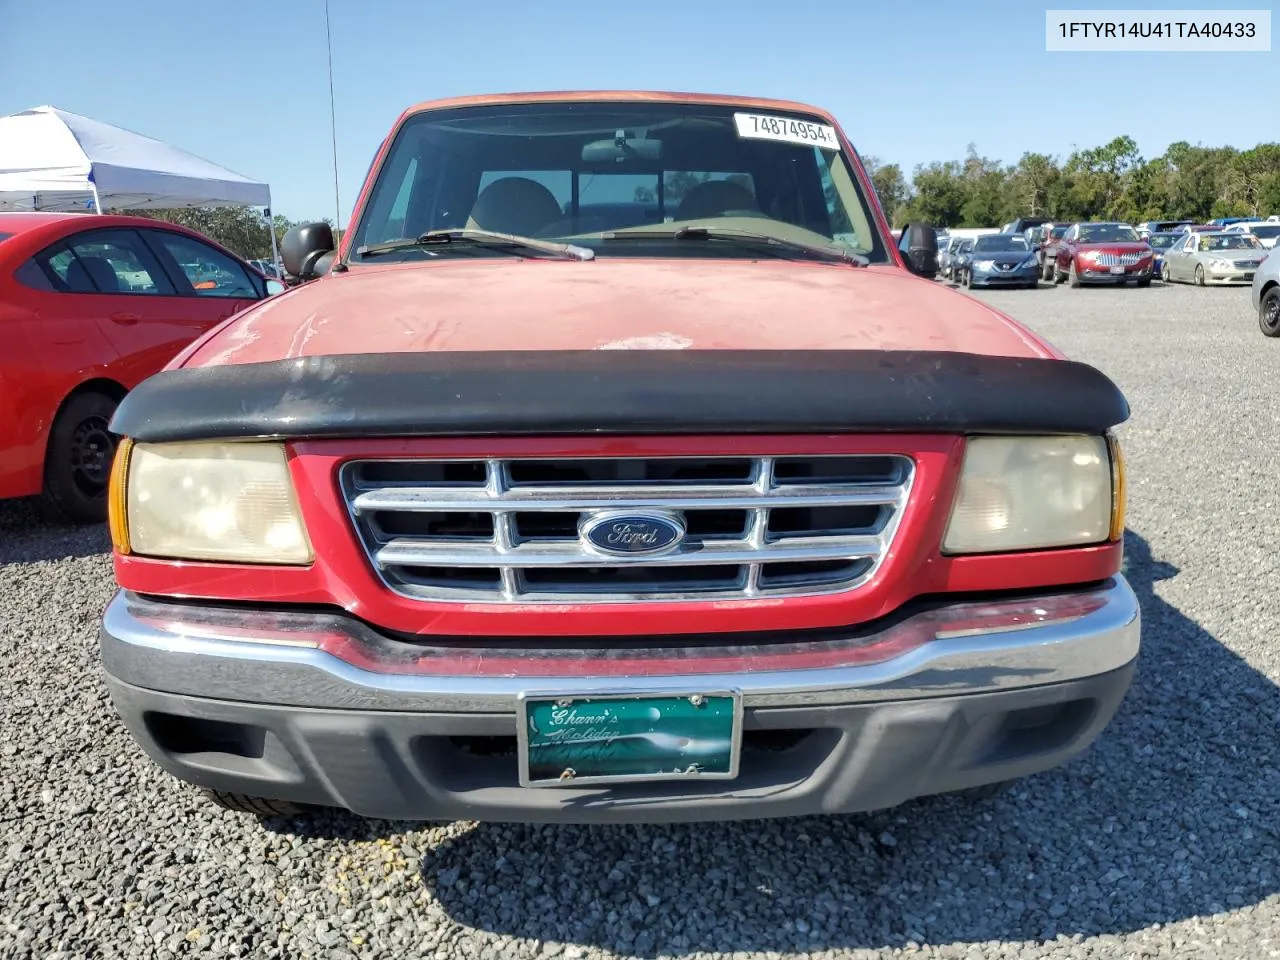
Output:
x=333 y=123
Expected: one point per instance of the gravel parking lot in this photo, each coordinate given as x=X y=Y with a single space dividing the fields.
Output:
x=1161 y=841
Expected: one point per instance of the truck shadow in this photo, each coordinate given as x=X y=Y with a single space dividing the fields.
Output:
x=1128 y=835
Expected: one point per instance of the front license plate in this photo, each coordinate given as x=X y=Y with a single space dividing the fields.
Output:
x=1117 y=269
x=622 y=738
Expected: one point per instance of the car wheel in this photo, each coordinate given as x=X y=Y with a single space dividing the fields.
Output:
x=1072 y=275
x=1269 y=313
x=968 y=279
x=1199 y=275
x=1047 y=273
x=1165 y=275
x=258 y=806
x=77 y=463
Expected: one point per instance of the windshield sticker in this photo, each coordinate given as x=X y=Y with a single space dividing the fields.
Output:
x=758 y=126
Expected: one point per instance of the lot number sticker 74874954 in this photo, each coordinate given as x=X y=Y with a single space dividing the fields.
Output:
x=759 y=126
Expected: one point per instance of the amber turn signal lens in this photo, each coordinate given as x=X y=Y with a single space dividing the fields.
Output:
x=1118 y=491
x=117 y=518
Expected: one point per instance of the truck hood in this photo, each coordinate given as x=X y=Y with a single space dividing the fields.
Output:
x=612 y=304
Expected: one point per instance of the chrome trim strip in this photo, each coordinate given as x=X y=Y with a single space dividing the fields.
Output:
x=220 y=663
x=405 y=552
x=600 y=497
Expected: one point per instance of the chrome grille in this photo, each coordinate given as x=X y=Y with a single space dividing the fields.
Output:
x=1117 y=259
x=506 y=530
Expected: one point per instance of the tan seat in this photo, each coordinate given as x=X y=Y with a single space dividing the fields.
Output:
x=514 y=205
x=715 y=198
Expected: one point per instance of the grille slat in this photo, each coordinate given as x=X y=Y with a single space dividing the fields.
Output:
x=556 y=499
x=499 y=530
x=443 y=553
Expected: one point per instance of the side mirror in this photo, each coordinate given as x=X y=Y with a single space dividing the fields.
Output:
x=919 y=248
x=303 y=247
x=274 y=287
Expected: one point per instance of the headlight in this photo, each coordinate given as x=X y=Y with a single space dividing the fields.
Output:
x=209 y=501
x=1024 y=493
x=1029 y=262
x=984 y=264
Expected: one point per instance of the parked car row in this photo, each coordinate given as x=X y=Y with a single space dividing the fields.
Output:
x=1031 y=249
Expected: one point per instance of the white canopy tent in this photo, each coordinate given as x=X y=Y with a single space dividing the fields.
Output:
x=51 y=159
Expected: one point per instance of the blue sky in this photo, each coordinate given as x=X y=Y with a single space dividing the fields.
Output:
x=244 y=84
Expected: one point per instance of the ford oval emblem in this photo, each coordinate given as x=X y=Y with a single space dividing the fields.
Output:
x=625 y=534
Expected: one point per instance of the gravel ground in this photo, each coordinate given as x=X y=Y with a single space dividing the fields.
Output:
x=1160 y=841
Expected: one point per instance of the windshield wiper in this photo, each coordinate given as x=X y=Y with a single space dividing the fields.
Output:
x=746 y=238
x=479 y=238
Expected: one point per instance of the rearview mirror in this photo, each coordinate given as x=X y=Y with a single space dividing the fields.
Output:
x=621 y=149
x=303 y=247
x=919 y=248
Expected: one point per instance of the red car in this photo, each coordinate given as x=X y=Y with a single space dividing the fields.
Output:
x=617 y=470
x=89 y=307
x=1103 y=253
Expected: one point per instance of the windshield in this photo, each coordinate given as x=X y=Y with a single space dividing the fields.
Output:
x=1107 y=233
x=1267 y=232
x=1001 y=243
x=1162 y=241
x=1058 y=232
x=591 y=173
x=1228 y=241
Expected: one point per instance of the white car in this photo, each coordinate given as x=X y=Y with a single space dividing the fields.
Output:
x=1266 y=232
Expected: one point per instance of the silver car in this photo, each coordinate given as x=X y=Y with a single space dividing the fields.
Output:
x=1266 y=296
x=1213 y=258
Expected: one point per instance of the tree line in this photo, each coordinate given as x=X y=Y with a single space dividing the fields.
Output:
x=242 y=230
x=1110 y=182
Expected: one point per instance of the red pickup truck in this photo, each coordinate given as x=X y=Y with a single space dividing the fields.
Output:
x=616 y=467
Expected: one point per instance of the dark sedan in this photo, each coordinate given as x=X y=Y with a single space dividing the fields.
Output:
x=1002 y=260
x=1159 y=243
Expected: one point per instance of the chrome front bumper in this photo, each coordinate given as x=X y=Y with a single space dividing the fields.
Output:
x=318 y=708
x=296 y=659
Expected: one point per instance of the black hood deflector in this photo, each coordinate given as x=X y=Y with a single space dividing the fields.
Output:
x=441 y=394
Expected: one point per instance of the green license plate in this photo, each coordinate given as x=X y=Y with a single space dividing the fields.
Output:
x=621 y=738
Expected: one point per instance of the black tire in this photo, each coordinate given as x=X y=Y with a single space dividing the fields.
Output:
x=1058 y=275
x=1072 y=276
x=1199 y=275
x=77 y=462
x=968 y=279
x=1046 y=274
x=1165 y=275
x=258 y=806
x=1269 y=313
